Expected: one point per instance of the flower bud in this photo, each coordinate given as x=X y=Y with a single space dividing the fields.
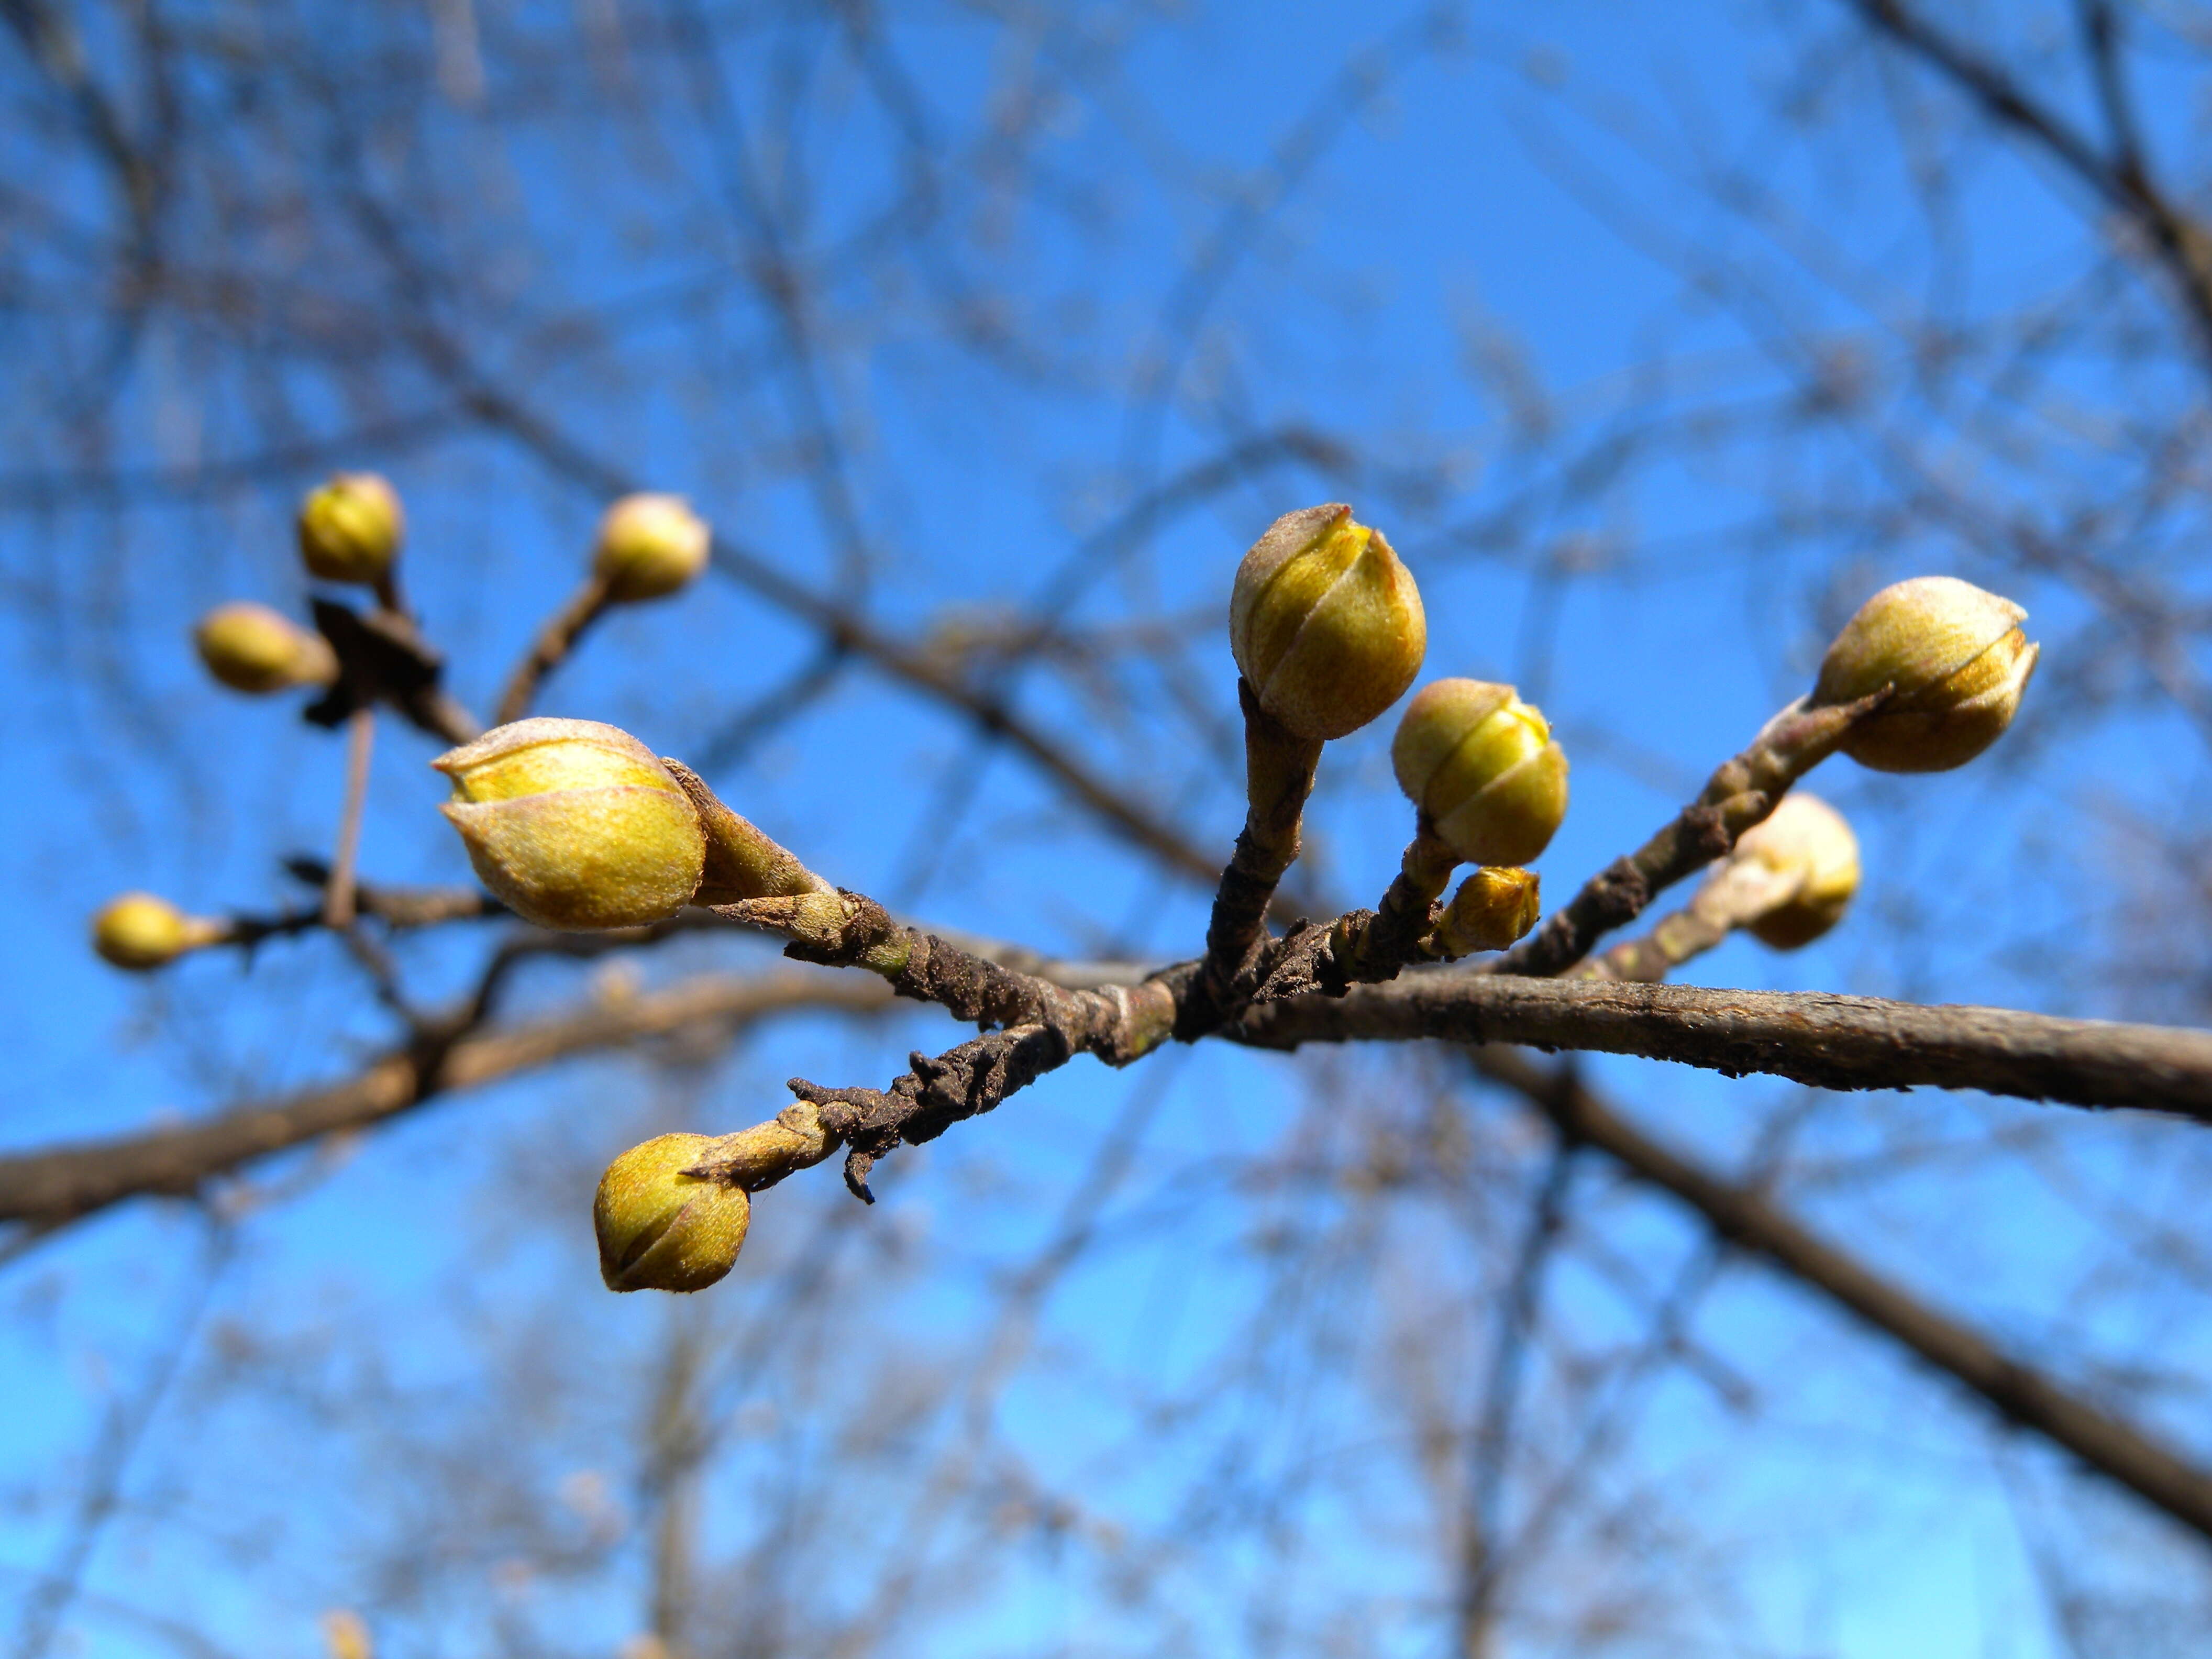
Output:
x=1804 y=836
x=1480 y=765
x=662 y=1230
x=141 y=931
x=1324 y=623
x=350 y=528
x=1493 y=909
x=574 y=824
x=649 y=545
x=1957 y=660
x=250 y=648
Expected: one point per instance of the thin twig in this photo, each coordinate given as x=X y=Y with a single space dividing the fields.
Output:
x=552 y=648
x=337 y=892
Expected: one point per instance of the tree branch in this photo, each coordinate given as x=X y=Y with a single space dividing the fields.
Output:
x=1817 y=1037
x=48 y=1189
x=1747 y=1217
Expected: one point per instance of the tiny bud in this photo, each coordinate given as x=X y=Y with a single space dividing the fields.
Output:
x=250 y=648
x=649 y=545
x=1480 y=765
x=350 y=528
x=1324 y=623
x=346 y=1636
x=1494 y=908
x=574 y=824
x=141 y=931
x=1807 y=838
x=662 y=1230
x=1958 y=664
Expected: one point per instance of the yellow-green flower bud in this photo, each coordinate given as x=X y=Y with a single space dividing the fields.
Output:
x=141 y=931
x=1804 y=837
x=1958 y=661
x=574 y=824
x=1494 y=908
x=350 y=529
x=1480 y=765
x=649 y=545
x=1324 y=623
x=662 y=1230
x=250 y=648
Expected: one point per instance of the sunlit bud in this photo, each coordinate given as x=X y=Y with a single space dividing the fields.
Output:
x=350 y=528
x=250 y=648
x=1494 y=907
x=649 y=545
x=1959 y=664
x=1324 y=623
x=574 y=824
x=141 y=931
x=1804 y=837
x=345 y=1636
x=1480 y=764
x=662 y=1230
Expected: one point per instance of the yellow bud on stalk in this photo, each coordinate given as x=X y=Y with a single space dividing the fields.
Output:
x=1481 y=767
x=250 y=648
x=662 y=1230
x=1324 y=623
x=1804 y=836
x=1957 y=661
x=142 y=932
x=350 y=529
x=574 y=824
x=649 y=545
x=1493 y=909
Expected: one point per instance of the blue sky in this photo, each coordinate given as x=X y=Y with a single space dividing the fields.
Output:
x=1517 y=199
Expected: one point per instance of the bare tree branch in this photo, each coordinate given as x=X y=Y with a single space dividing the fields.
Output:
x=1747 y=1217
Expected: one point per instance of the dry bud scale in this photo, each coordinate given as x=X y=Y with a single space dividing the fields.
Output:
x=1956 y=662
x=350 y=529
x=574 y=824
x=251 y=649
x=1324 y=623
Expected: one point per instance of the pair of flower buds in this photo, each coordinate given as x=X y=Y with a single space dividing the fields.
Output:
x=350 y=529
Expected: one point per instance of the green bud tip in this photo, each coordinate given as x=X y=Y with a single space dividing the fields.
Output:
x=649 y=545
x=250 y=648
x=661 y=1229
x=574 y=824
x=1324 y=623
x=350 y=529
x=1958 y=664
x=142 y=932
x=1480 y=765
x=1805 y=837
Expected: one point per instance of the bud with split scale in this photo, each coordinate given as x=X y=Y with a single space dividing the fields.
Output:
x=1955 y=663
x=350 y=529
x=142 y=932
x=1480 y=766
x=649 y=546
x=574 y=824
x=252 y=648
x=662 y=1228
x=1324 y=623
